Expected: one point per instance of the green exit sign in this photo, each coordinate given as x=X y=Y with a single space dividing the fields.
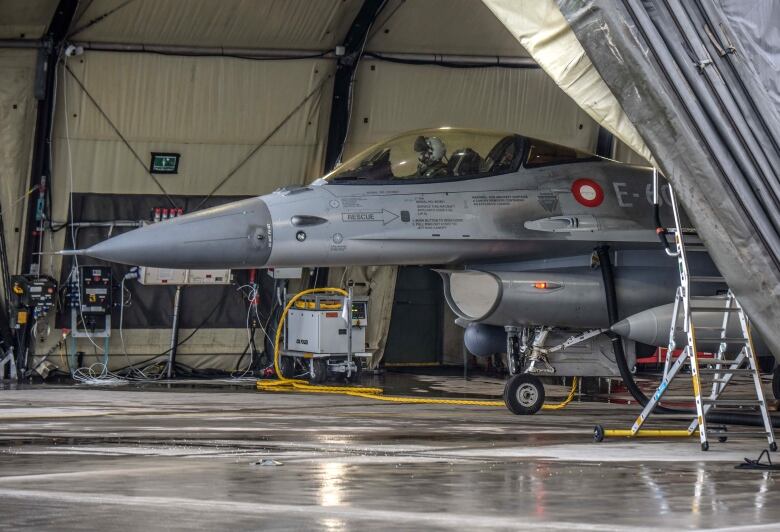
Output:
x=164 y=163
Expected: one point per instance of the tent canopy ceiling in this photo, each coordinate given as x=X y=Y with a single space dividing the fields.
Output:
x=442 y=27
x=25 y=19
x=463 y=27
x=282 y=24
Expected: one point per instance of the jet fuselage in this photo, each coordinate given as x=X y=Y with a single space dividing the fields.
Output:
x=532 y=207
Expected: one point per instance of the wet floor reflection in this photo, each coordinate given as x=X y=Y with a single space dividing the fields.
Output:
x=331 y=484
x=195 y=460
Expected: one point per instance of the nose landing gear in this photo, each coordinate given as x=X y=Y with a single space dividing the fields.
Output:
x=524 y=392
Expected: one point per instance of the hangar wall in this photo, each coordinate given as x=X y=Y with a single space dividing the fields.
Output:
x=213 y=110
x=299 y=24
x=17 y=122
x=391 y=98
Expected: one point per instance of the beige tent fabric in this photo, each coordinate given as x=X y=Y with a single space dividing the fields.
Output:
x=425 y=26
x=281 y=24
x=377 y=282
x=392 y=98
x=25 y=19
x=543 y=31
x=442 y=27
x=621 y=152
x=212 y=111
x=17 y=124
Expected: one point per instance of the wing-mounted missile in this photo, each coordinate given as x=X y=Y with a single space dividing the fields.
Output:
x=652 y=327
x=583 y=223
x=563 y=224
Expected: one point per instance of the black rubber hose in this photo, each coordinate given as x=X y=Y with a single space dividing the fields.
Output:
x=608 y=277
x=660 y=230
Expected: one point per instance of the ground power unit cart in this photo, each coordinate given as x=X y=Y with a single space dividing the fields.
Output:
x=317 y=339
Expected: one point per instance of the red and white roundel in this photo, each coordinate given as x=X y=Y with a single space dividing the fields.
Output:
x=587 y=192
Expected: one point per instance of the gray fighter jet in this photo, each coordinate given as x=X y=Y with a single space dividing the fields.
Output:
x=510 y=222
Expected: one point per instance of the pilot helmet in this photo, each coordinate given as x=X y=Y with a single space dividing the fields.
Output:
x=430 y=149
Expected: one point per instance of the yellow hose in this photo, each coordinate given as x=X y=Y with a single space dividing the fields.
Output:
x=286 y=384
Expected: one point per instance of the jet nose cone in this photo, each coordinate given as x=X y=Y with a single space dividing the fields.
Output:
x=235 y=235
x=622 y=328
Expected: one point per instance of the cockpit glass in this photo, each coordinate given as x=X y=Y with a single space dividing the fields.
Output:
x=541 y=153
x=434 y=154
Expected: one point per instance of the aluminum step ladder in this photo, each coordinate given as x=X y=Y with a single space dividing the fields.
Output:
x=721 y=367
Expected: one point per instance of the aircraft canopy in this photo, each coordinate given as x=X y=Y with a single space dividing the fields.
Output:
x=451 y=153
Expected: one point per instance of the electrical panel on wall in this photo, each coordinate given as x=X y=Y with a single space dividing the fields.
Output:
x=160 y=276
x=285 y=273
x=209 y=277
x=165 y=276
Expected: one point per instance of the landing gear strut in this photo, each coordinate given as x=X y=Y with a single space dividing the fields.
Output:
x=528 y=357
x=524 y=392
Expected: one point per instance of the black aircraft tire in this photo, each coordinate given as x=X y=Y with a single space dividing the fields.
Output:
x=598 y=434
x=287 y=366
x=524 y=394
x=320 y=367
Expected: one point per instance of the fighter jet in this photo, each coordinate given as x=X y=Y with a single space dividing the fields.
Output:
x=510 y=222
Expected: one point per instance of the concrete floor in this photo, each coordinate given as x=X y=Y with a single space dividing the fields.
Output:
x=191 y=459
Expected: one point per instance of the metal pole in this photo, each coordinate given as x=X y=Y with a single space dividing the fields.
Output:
x=106 y=342
x=655 y=186
x=348 y=303
x=465 y=362
x=273 y=53
x=174 y=333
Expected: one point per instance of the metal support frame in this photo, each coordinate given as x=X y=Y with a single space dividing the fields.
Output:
x=346 y=67
x=45 y=93
x=348 y=311
x=171 y=369
x=409 y=58
x=40 y=167
x=73 y=353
